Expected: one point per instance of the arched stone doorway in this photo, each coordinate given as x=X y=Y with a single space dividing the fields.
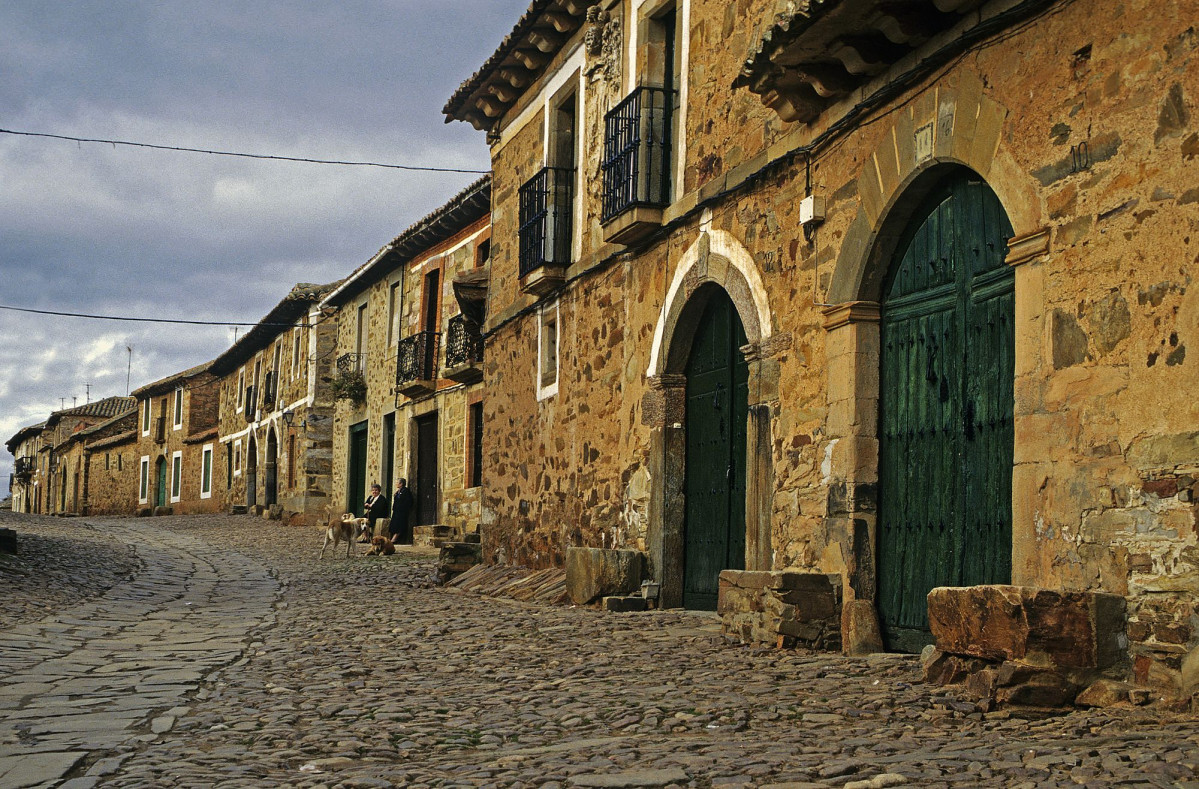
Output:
x=271 y=481
x=716 y=306
x=251 y=472
x=946 y=357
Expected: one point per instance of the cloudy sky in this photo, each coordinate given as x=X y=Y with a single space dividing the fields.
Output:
x=134 y=232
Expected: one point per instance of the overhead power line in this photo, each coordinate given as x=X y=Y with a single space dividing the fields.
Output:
x=143 y=320
x=245 y=155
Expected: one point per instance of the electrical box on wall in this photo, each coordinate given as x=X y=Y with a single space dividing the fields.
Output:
x=811 y=210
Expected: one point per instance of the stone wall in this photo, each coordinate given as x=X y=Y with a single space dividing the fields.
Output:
x=781 y=609
x=112 y=477
x=1106 y=452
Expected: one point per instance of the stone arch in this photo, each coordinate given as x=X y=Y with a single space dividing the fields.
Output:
x=715 y=261
x=961 y=127
x=715 y=258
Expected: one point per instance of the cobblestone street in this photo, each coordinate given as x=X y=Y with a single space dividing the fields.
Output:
x=218 y=652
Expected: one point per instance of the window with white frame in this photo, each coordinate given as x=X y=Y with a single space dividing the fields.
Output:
x=241 y=389
x=237 y=458
x=178 y=408
x=393 y=316
x=547 y=351
x=143 y=489
x=146 y=416
x=360 y=338
x=206 y=472
x=296 y=349
x=176 y=476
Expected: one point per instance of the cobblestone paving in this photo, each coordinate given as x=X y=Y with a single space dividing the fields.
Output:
x=286 y=671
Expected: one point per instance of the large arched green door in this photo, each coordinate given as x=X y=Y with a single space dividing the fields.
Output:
x=945 y=407
x=717 y=410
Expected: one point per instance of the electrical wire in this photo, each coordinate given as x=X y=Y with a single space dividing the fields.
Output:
x=147 y=320
x=184 y=149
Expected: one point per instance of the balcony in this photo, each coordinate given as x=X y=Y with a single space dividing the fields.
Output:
x=546 y=203
x=636 y=164
x=160 y=430
x=416 y=364
x=351 y=362
x=24 y=467
x=463 y=351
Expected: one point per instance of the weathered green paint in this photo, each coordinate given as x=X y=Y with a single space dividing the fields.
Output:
x=945 y=407
x=160 y=494
x=717 y=412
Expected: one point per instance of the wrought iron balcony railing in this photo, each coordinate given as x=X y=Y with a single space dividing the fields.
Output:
x=463 y=342
x=349 y=362
x=24 y=467
x=160 y=429
x=545 y=218
x=636 y=164
x=416 y=358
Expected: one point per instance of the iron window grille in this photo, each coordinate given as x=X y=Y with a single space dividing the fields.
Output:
x=416 y=357
x=636 y=164
x=250 y=404
x=545 y=218
x=349 y=362
x=463 y=342
x=160 y=429
x=268 y=391
x=24 y=466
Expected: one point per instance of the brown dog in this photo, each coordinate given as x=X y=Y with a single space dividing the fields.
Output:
x=339 y=531
x=381 y=546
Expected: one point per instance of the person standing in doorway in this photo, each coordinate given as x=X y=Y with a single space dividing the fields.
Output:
x=376 y=507
x=401 y=507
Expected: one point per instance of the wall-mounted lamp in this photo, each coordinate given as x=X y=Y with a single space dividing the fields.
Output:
x=288 y=417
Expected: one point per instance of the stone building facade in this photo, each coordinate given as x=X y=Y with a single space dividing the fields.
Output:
x=276 y=411
x=110 y=472
x=408 y=337
x=58 y=481
x=24 y=446
x=176 y=444
x=900 y=295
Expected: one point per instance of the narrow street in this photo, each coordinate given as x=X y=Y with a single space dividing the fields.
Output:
x=216 y=651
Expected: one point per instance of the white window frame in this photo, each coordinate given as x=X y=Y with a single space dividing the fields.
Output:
x=206 y=472
x=643 y=11
x=241 y=389
x=574 y=86
x=546 y=391
x=176 y=476
x=236 y=458
x=146 y=415
x=143 y=491
x=361 y=334
x=178 y=413
x=296 y=350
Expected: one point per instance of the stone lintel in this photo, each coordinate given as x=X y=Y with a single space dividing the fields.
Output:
x=1027 y=247
x=840 y=315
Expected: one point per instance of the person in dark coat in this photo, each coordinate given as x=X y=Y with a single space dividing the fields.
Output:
x=375 y=507
x=401 y=508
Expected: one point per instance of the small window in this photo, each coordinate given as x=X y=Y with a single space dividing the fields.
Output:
x=483 y=253
x=237 y=458
x=360 y=338
x=143 y=491
x=241 y=389
x=296 y=349
x=547 y=352
x=206 y=472
x=106 y=462
x=176 y=476
x=393 y=315
x=146 y=416
x=474 y=459
x=178 y=408
x=120 y=466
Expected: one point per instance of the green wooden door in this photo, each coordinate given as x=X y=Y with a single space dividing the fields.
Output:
x=945 y=407
x=160 y=494
x=356 y=472
x=717 y=409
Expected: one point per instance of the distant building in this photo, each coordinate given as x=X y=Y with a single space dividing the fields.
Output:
x=24 y=447
x=409 y=336
x=176 y=443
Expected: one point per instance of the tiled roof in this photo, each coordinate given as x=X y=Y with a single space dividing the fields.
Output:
x=108 y=407
x=128 y=437
x=459 y=212
x=281 y=318
x=171 y=381
x=520 y=58
x=21 y=435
